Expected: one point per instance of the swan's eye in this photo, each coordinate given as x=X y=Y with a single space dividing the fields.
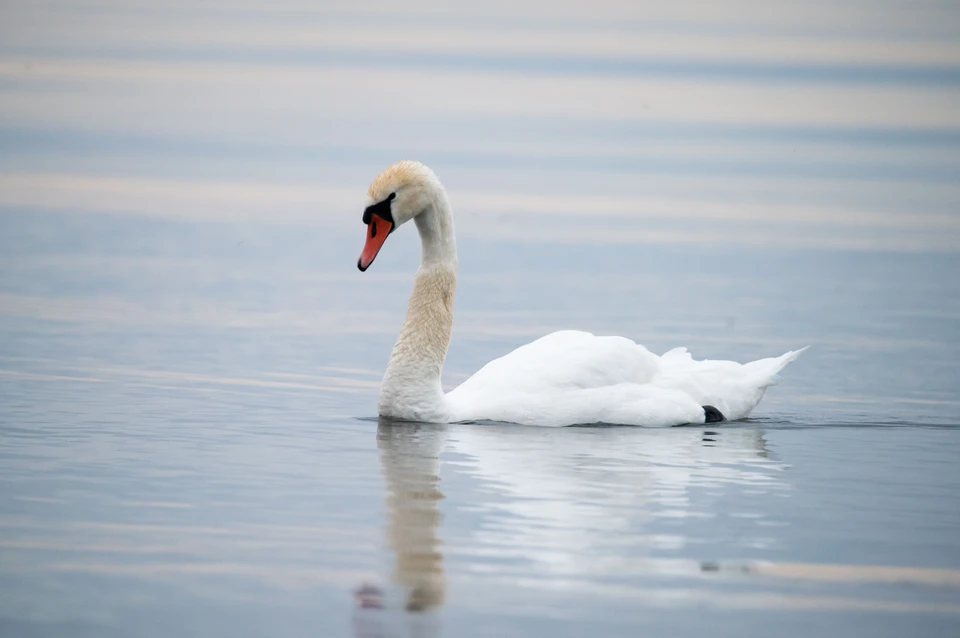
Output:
x=392 y=197
x=381 y=209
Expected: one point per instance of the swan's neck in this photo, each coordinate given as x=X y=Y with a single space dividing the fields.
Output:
x=411 y=385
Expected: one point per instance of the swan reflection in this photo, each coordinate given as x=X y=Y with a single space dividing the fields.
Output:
x=410 y=462
x=582 y=504
x=599 y=501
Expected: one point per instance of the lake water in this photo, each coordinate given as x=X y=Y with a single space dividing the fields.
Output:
x=189 y=359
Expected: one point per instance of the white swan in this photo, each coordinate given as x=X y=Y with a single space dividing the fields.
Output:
x=564 y=378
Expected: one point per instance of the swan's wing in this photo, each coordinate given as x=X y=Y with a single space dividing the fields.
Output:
x=568 y=359
x=571 y=377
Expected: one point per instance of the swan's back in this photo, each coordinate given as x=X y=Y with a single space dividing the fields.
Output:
x=565 y=360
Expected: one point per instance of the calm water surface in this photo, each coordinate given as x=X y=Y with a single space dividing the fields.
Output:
x=189 y=360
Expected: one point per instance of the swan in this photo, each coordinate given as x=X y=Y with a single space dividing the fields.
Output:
x=564 y=378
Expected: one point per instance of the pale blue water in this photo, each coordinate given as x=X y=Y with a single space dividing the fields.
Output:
x=189 y=359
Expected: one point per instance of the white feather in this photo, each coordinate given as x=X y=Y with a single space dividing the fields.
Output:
x=565 y=378
x=574 y=377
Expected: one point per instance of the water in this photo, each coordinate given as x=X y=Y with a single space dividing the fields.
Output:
x=189 y=360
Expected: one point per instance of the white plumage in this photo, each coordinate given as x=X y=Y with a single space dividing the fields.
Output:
x=572 y=377
x=565 y=378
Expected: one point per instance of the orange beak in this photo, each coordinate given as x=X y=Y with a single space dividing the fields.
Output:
x=377 y=231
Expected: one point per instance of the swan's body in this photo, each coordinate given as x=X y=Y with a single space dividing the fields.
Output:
x=564 y=378
x=575 y=377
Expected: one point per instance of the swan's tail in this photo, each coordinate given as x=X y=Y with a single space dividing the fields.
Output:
x=769 y=368
x=730 y=387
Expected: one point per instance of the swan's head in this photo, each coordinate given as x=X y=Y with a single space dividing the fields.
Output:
x=398 y=194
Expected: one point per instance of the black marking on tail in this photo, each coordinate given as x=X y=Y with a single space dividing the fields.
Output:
x=712 y=414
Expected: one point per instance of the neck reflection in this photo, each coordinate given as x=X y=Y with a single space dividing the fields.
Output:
x=409 y=460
